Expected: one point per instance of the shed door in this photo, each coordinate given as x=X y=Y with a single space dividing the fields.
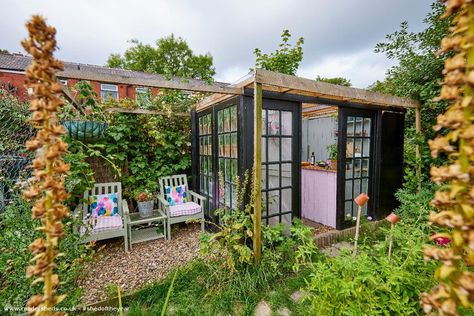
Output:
x=355 y=162
x=281 y=155
x=391 y=165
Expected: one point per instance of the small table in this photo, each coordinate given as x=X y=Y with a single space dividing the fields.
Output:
x=146 y=234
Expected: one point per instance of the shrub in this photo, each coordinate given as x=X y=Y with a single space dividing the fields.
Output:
x=18 y=231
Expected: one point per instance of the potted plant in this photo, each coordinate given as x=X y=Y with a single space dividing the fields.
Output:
x=145 y=201
x=332 y=155
x=87 y=122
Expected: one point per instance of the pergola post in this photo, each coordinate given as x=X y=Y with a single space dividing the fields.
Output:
x=257 y=165
x=417 y=148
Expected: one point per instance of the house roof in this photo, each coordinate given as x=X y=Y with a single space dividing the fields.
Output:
x=16 y=62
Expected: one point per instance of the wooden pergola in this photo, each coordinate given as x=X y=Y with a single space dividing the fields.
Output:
x=261 y=82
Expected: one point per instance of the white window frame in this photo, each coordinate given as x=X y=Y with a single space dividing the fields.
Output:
x=107 y=87
x=63 y=82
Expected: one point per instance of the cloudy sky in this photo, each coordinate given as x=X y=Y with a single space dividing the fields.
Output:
x=340 y=35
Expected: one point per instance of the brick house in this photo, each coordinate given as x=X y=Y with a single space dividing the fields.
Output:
x=118 y=83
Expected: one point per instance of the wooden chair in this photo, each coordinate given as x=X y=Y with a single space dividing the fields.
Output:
x=89 y=226
x=193 y=209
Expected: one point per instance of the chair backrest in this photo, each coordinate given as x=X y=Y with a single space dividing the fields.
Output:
x=172 y=181
x=103 y=188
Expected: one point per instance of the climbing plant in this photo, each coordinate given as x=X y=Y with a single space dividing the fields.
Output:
x=454 y=201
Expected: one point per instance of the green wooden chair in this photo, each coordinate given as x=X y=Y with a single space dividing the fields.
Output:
x=193 y=209
x=103 y=227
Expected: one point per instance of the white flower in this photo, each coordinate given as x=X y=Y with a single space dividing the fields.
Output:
x=369 y=218
x=354 y=218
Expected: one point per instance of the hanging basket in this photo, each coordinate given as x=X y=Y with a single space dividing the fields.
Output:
x=85 y=130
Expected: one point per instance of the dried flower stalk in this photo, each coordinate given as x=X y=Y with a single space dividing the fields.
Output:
x=455 y=202
x=47 y=185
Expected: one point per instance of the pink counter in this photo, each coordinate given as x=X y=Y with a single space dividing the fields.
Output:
x=318 y=195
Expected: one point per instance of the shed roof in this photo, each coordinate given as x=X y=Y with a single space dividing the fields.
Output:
x=287 y=84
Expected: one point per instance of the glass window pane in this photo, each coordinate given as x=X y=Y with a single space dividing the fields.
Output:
x=357 y=168
x=357 y=147
x=274 y=202
x=286 y=149
x=233 y=113
x=273 y=122
x=349 y=167
x=227 y=120
x=273 y=149
x=264 y=149
x=264 y=177
x=273 y=176
x=221 y=146
x=348 y=190
x=286 y=123
x=264 y=122
x=349 y=148
x=358 y=126
x=365 y=186
x=366 y=149
x=356 y=187
x=367 y=123
x=228 y=175
x=348 y=210
x=227 y=145
x=234 y=170
x=286 y=175
x=234 y=149
x=220 y=121
x=365 y=168
x=350 y=126
x=286 y=205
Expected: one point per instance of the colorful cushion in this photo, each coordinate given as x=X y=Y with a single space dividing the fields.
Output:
x=176 y=195
x=103 y=204
x=188 y=208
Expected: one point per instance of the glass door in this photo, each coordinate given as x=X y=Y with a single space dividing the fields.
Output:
x=279 y=151
x=206 y=174
x=357 y=151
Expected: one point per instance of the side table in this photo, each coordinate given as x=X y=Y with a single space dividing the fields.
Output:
x=149 y=233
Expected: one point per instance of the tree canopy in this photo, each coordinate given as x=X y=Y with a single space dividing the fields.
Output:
x=286 y=59
x=171 y=56
x=417 y=75
x=341 y=81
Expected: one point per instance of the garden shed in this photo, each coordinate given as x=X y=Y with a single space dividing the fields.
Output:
x=285 y=119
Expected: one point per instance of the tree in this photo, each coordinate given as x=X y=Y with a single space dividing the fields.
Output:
x=285 y=60
x=341 y=81
x=170 y=57
x=3 y=51
x=417 y=75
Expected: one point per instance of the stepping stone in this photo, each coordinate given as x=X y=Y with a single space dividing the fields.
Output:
x=343 y=245
x=283 y=311
x=262 y=309
x=334 y=251
x=297 y=296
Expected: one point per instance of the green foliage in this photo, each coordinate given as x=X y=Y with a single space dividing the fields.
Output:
x=286 y=59
x=170 y=57
x=90 y=109
x=417 y=75
x=341 y=81
x=18 y=230
x=14 y=131
x=332 y=151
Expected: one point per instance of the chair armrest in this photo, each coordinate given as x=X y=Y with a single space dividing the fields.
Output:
x=126 y=211
x=195 y=196
x=162 y=203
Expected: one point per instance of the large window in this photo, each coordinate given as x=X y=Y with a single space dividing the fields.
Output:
x=277 y=161
x=358 y=162
x=143 y=95
x=108 y=91
x=227 y=155
x=206 y=175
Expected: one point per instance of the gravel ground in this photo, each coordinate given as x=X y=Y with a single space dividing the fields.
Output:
x=147 y=262
x=318 y=228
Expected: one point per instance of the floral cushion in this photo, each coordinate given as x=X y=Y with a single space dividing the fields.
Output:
x=103 y=205
x=176 y=195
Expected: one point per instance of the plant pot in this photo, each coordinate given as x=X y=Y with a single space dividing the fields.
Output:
x=145 y=208
x=85 y=130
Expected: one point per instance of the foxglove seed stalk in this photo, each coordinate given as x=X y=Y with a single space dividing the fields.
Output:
x=455 y=202
x=47 y=185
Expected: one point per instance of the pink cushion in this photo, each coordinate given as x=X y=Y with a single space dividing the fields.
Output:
x=188 y=208
x=101 y=224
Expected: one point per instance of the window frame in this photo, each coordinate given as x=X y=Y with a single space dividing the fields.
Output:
x=103 y=89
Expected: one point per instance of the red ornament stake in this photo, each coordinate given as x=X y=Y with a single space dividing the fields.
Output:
x=361 y=200
x=392 y=218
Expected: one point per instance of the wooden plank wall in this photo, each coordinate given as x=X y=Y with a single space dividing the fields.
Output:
x=317 y=134
x=318 y=196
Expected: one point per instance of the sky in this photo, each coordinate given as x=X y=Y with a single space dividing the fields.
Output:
x=340 y=35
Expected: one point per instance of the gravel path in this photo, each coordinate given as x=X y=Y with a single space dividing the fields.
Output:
x=147 y=262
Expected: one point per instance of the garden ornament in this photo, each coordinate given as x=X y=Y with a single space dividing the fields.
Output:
x=392 y=218
x=360 y=200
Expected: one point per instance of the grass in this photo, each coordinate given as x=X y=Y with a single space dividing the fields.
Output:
x=197 y=292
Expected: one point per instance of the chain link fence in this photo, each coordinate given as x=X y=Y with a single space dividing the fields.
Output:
x=14 y=132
